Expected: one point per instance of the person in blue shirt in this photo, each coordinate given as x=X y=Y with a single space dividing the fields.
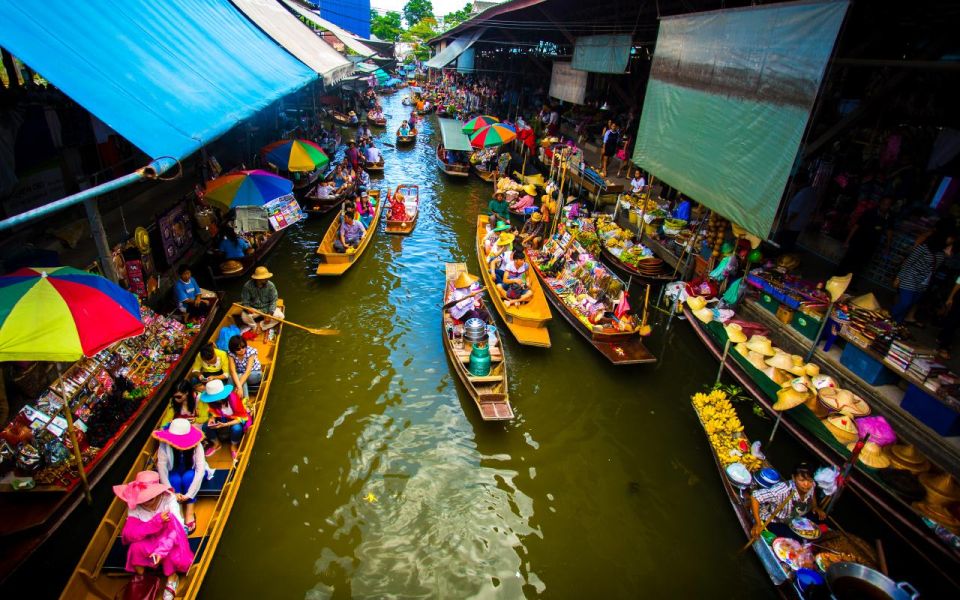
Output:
x=233 y=246
x=189 y=295
x=682 y=211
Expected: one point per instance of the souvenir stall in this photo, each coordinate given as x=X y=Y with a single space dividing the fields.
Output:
x=104 y=393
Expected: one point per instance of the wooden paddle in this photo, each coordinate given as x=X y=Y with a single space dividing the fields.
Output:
x=313 y=330
x=459 y=300
x=773 y=515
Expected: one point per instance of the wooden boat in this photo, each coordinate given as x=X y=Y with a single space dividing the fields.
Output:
x=381 y=122
x=406 y=101
x=620 y=348
x=405 y=227
x=100 y=572
x=807 y=428
x=407 y=140
x=31 y=517
x=248 y=262
x=454 y=169
x=490 y=392
x=374 y=167
x=527 y=322
x=317 y=206
x=334 y=263
x=484 y=173
x=630 y=271
x=342 y=119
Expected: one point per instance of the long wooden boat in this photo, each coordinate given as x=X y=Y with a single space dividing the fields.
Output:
x=407 y=140
x=454 y=169
x=527 y=322
x=405 y=227
x=333 y=263
x=381 y=122
x=629 y=271
x=806 y=427
x=31 y=517
x=374 y=167
x=342 y=119
x=100 y=572
x=490 y=392
x=483 y=173
x=620 y=348
x=779 y=577
x=249 y=261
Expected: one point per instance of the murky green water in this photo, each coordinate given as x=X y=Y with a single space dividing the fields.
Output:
x=601 y=486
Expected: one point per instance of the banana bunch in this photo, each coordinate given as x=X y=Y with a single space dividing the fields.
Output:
x=614 y=242
x=724 y=429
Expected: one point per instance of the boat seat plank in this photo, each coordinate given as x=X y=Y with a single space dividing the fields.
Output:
x=486 y=378
x=496 y=410
x=117 y=558
x=214 y=486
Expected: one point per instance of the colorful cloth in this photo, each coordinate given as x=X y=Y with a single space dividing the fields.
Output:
x=145 y=533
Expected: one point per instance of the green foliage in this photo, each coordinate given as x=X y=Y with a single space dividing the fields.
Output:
x=387 y=26
x=415 y=11
x=451 y=20
x=421 y=31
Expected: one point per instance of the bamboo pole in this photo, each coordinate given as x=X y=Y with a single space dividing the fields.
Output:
x=72 y=431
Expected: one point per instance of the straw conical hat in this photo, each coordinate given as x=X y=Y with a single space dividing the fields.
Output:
x=761 y=344
x=940 y=514
x=852 y=404
x=906 y=457
x=871 y=455
x=812 y=369
x=941 y=488
x=778 y=376
x=465 y=280
x=842 y=428
x=741 y=348
x=735 y=333
x=704 y=314
x=801 y=384
x=867 y=301
x=798 y=367
x=780 y=360
x=789 y=397
x=696 y=302
x=823 y=381
x=756 y=359
x=837 y=285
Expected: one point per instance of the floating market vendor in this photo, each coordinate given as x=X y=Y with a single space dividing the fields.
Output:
x=233 y=246
x=637 y=183
x=373 y=155
x=404 y=128
x=499 y=207
x=532 y=233
x=790 y=499
x=525 y=201
x=190 y=297
x=468 y=308
x=353 y=120
x=260 y=294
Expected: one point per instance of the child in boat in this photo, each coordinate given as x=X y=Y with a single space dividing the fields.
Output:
x=513 y=288
x=228 y=416
x=181 y=464
x=154 y=530
x=364 y=209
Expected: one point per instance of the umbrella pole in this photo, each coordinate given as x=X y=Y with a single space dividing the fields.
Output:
x=68 y=414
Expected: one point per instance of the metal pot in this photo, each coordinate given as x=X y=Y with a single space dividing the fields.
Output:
x=475 y=331
x=848 y=581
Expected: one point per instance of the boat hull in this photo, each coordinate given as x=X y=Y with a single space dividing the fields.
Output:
x=333 y=264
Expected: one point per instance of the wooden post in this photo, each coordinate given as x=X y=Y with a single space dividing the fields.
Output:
x=72 y=431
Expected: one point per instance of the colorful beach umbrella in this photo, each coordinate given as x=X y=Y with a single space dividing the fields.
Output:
x=493 y=135
x=63 y=314
x=476 y=123
x=246 y=188
x=295 y=155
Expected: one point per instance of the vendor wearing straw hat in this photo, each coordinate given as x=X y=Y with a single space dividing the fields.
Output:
x=532 y=233
x=498 y=206
x=784 y=502
x=470 y=307
x=181 y=464
x=260 y=294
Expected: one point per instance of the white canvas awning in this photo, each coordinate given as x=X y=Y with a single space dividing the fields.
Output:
x=298 y=39
x=454 y=49
x=348 y=39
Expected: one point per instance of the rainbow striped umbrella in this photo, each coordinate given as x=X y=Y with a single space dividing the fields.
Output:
x=63 y=314
x=480 y=122
x=295 y=155
x=493 y=135
x=246 y=188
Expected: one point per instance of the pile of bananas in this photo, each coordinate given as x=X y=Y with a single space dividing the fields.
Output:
x=724 y=429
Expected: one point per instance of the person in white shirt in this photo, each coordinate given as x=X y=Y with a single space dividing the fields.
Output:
x=638 y=182
x=373 y=154
x=324 y=190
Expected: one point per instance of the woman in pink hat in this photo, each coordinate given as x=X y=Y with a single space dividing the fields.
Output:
x=153 y=532
x=181 y=464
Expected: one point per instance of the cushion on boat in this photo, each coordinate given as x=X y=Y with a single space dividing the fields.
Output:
x=214 y=485
x=117 y=558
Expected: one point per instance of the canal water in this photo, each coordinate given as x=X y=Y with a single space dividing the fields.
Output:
x=374 y=476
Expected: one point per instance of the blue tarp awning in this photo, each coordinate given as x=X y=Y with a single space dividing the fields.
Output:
x=169 y=76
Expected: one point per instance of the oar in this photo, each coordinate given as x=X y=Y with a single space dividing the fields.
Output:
x=645 y=329
x=313 y=330
x=459 y=300
x=754 y=538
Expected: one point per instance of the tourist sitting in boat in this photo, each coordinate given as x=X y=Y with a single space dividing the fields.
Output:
x=789 y=500
x=531 y=235
x=376 y=114
x=247 y=369
x=525 y=201
x=405 y=129
x=154 y=530
x=228 y=416
x=233 y=246
x=190 y=297
x=211 y=363
x=363 y=209
x=495 y=229
x=513 y=284
x=351 y=233
x=341 y=180
x=498 y=206
x=181 y=464
x=363 y=132
x=398 y=208
x=323 y=191
x=260 y=294
x=468 y=308
x=363 y=181
x=352 y=118
x=373 y=155
x=184 y=405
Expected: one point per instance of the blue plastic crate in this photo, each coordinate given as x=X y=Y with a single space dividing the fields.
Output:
x=865 y=367
x=930 y=411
